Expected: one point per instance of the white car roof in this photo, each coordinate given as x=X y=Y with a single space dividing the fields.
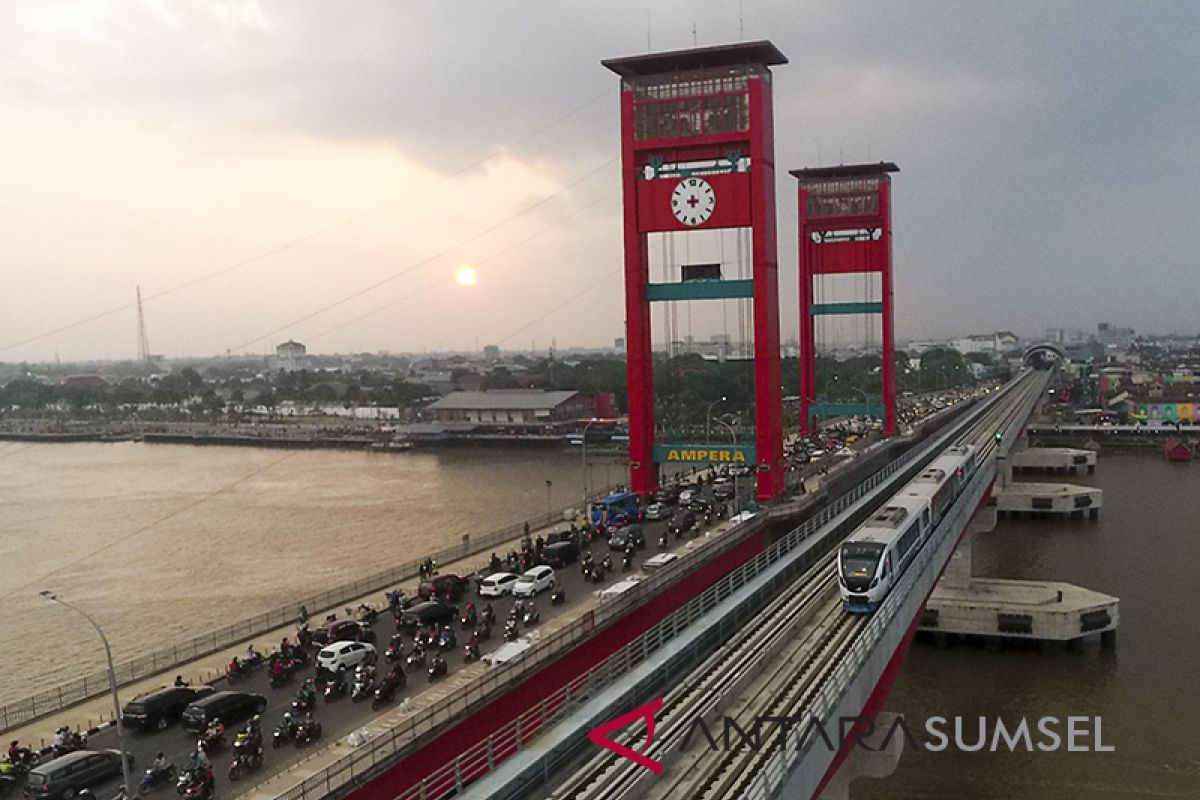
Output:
x=500 y=577
x=536 y=572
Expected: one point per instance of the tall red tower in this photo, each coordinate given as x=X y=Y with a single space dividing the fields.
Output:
x=846 y=228
x=698 y=153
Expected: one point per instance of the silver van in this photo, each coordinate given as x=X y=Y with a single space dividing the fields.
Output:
x=63 y=777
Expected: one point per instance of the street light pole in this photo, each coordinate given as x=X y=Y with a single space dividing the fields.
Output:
x=585 y=474
x=737 y=497
x=112 y=687
x=708 y=419
x=549 y=502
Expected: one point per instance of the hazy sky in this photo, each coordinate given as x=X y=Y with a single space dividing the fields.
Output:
x=1048 y=154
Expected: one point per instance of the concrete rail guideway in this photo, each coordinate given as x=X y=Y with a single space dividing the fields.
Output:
x=840 y=660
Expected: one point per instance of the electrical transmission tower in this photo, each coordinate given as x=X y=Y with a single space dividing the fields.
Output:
x=143 y=340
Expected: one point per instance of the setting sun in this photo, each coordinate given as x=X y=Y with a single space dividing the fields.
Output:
x=465 y=275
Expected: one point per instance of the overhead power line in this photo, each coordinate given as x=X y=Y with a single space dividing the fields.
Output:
x=450 y=278
x=428 y=260
x=560 y=306
x=311 y=236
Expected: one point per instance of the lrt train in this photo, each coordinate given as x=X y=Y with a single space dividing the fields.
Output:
x=872 y=559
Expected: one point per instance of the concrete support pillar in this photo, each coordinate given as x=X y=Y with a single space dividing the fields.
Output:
x=875 y=760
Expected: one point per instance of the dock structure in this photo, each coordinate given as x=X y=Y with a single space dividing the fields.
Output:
x=1041 y=611
x=1059 y=460
x=962 y=605
x=1062 y=500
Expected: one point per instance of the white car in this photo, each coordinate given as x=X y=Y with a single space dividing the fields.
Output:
x=687 y=495
x=658 y=511
x=344 y=654
x=497 y=584
x=538 y=579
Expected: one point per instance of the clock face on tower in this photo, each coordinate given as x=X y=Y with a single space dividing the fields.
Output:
x=693 y=201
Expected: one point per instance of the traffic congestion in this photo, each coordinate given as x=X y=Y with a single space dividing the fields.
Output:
x=335 y=673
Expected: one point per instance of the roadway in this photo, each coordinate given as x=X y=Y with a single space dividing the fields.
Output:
x=340 y=717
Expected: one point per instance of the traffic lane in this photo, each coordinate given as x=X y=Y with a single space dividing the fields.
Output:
x=339 y=717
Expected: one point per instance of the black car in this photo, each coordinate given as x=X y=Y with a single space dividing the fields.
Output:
x=700 y=505
x=226 y=706
x=344 y=630
x=627 y=536
x=668 y=495
x=66 y=775
x=156 y=710
x=682 y=521
x=559 y=554
x=428 y=613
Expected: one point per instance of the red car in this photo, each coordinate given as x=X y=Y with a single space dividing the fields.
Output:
x=453 y=586
x=343 y=630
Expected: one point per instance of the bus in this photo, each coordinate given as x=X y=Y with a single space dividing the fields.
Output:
x=615 y=509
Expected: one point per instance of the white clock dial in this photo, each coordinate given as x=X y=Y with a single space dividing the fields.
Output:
x=693 y=201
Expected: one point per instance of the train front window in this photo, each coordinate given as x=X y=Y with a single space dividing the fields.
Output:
x=860 y=559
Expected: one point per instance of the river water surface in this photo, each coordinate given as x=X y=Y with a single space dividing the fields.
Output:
x=163 y=542
x=1145 y=549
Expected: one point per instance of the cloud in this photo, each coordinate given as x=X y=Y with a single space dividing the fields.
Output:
x=1046 y=156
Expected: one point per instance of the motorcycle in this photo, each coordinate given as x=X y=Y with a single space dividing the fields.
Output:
x=415 y=660
x=194 y=785
x=211 y=741
x=483 y=633
x=153 y=778
x=470 y=651
x=469 y=618
x=607 y=564
x=72 y=741
x=447 y=640
x=386 y=691
x=247 y=761
x=558 y=597
x=395 y=648
x=489 y=615
x=532 y=616
x=335 y=686
x=626 y=562
x=438 y=669
x=12 y=774
x=304 y=636
x=511 y=632
x=663 y=541
x=598 y=574
x=305 y=700
x=283 y=733
x=307 y=730
x=362 y=688
x=367 y=613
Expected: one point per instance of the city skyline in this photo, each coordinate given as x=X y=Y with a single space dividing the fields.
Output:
x=307 y=156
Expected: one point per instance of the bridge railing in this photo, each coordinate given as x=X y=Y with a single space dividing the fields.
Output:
x=65 y=695
x=476 y=761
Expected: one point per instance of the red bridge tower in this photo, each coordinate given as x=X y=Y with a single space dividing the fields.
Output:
x=698 y=153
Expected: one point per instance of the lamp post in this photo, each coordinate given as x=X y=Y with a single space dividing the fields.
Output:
x=585 y=474
x=708 y=419
x=549 y=502
x=112 y=687
x=737 y=497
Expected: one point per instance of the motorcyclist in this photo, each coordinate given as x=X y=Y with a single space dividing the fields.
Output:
x=200 y=761
x=215 y=730
x=285 y=648
x=277 y=668
x=60 y=739
x=16 y=753
x=531 y=612
x=489 y=614
x=252 y=655
x=235 y=666
x=180 y=682
x=160 y=763
x=439 y=664
x=307 y=693
x=288 y=724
